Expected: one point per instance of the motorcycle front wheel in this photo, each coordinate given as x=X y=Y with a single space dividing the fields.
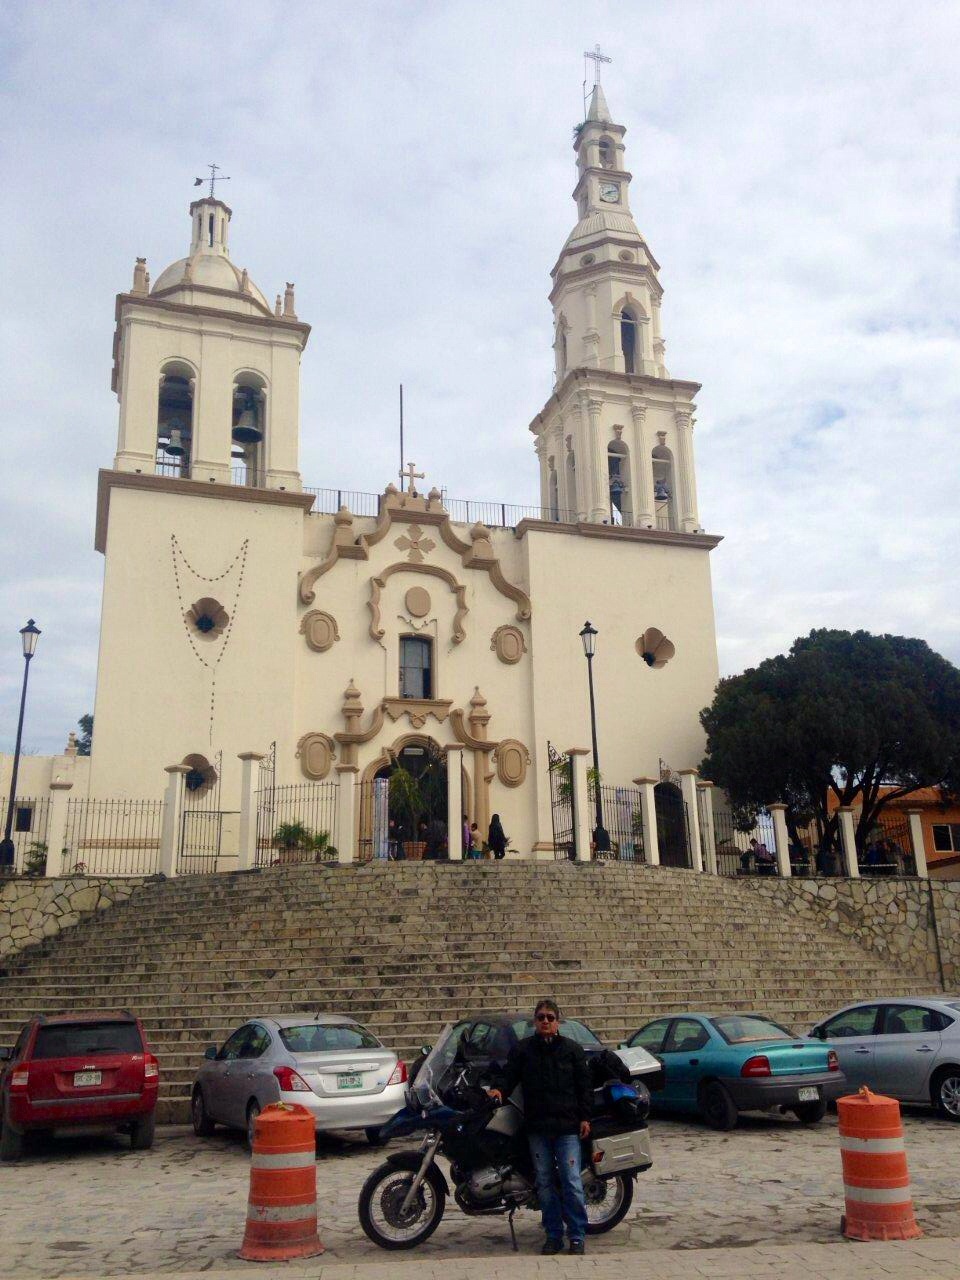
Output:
x=608 y=1201
x=381 y=1201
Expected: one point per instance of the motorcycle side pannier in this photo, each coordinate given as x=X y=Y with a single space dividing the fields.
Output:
x=619 y=1150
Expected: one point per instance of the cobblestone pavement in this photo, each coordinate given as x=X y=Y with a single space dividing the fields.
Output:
x=85 y=1207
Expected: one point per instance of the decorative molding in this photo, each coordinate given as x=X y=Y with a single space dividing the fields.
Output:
x=416 y=545
x=316 y=753
x=377 y=584
x=654 y=648
x=320 y=630
x=508 y=644
x=699 y=541
x=207 y=618
x=417 y=709
x=512 y=760
x=417 y=602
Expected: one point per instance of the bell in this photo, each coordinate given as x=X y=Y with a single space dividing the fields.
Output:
x=174 y=445
x=247 y=430
x=661 y=492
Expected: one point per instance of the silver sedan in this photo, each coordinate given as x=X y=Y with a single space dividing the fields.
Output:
x=327 y=1063
x=907 y=1048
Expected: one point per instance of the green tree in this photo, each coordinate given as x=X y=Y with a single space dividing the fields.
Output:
x=85 y=741
x=863 y=718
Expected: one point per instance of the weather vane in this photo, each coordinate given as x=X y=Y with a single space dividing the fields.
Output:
x=222 y=177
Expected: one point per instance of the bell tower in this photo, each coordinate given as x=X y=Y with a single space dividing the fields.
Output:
x=615 y=440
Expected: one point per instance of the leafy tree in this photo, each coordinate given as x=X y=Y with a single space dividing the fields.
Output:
x=863 y=718
x=85 y=741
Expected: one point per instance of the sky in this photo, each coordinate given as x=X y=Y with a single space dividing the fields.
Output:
x=409 y=166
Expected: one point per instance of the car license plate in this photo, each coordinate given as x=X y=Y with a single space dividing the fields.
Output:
x=350 y=1080
x=810 y=1094
x=81 y=1078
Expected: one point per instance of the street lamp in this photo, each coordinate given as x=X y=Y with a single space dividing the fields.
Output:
x=601 y=840
x=29 y=635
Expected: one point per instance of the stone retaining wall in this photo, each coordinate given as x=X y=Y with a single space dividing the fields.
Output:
x=891 y=916
x=32 y=910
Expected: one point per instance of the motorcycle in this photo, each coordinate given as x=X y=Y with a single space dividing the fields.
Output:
x=403 y=1201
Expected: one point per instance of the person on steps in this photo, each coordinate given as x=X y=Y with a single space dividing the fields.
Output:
x=497 y=838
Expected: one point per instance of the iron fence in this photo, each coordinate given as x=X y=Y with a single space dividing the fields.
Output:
x=744 y=851
x=673 y=825
x=112 y=837
x=560 y=772
x=28 y=833
x=888 y=848
x=299 y=824
x=623 y=820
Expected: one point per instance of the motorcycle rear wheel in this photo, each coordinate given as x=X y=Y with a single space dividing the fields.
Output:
x=608 y=1201
x=381 y=1197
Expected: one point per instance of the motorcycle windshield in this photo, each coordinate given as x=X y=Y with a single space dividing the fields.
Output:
x=432 y=1076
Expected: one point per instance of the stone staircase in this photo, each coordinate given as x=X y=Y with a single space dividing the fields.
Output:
x=406 y=947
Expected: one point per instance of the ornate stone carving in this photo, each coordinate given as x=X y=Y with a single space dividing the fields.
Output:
x=417 y=601
x=416 y=544
x=512 y=760
x=655 y=649
x=417 y=709
x=377 y=584
x=508 y=644
x=320 y=630
x=207 y=618
x=316 y=753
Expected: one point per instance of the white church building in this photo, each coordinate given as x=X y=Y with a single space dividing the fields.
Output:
x=340 y=644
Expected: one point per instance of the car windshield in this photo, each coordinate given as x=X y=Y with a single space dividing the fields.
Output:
x=82 y=1039
x=327 y=1037
x=740 y=1028
x=569 y=1027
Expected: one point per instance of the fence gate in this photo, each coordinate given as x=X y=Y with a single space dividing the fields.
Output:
x=673 y=825
x=560 y=770
x=201 y=824
x=623 y=819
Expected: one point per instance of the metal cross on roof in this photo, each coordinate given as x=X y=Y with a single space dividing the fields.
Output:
x=410 y=473
x=222 y=177
x=597 y=58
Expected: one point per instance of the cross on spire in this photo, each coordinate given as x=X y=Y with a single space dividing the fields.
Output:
x=597 y=57
x=222 y=177
x=410 y=473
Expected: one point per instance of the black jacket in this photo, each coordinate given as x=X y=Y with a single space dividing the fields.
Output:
x=555 y=1080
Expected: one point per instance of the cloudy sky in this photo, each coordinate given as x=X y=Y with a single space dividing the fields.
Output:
x=409 y=166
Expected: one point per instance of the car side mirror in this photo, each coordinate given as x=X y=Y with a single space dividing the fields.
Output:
x=819 y=1033
x=6 y=1052
x=210 y=1051
x=425 y=1049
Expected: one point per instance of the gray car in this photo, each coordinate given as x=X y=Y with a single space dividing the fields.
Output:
x=328 y=1063
x=907 y=1048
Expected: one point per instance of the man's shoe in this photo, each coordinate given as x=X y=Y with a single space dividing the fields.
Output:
x=551 y=1246
x=576 y=1246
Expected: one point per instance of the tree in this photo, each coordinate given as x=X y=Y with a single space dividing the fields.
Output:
x=85 y=741
x=863 y=718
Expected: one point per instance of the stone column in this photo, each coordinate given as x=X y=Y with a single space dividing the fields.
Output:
x=57 y=826
x=582 y=821
x=347 y=812
x=172 y=819
x=781 y=839
x=540 y=446
x=247 y=852
x=705 y=789
x=916 y=839
x=591 y=338
x=658 y=343
x=642 y=469
x=849 y=840
x=687 y=512
x=648 y=808
x=478 y=720
x=454 y=802
x=598 y=478
x=688 y=787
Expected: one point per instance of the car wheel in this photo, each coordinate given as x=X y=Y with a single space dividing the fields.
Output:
x=811 y=1112
x=141 y=1135
x=716 y=1106
x=203 y=1126
x=373 y=1136
x=945 y=1092
x=253 y=1110
x=11 y=1142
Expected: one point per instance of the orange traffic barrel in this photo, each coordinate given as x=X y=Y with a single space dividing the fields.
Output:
x=876 y=1184
x=282 y=1209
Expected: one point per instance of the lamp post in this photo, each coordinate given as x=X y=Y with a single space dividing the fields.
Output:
x=601 y=840
x=29 y=635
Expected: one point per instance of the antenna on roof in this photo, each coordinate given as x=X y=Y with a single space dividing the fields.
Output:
x=401 y=435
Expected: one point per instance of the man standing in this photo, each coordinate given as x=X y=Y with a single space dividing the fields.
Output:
x=553 y=1074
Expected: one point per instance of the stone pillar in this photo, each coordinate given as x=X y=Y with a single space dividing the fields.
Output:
x=849 y=840
x=247 y=852
x=57 y=826
x=540 y=446
x=705 y=789
x=648 y=808
x=642 y=469
x=582 y=820
x=347 y=812
x=172 y=819
x=598 y=478
x=781 y=839
x=455 y=802
x=686 y=513
x=591 y=338
x=688 y=787
x=916 y=839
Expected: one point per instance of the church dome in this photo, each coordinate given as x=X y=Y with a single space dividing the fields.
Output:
x=210 y=271
x=597 y=222
x=208 y=264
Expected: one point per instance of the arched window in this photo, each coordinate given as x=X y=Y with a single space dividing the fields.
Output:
x=554 y=493
x=174 y=420
x=664 y=488
x=607 y=153
x=248 y=429
x=618 y=477
x=416 y=667
x=629 y=342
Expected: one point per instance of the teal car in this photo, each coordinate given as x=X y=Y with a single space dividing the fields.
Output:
x=719 y=1064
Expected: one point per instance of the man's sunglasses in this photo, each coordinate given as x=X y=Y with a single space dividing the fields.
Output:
x=545 y=1017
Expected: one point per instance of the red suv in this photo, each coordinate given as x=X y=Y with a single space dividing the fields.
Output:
x=78 y=1071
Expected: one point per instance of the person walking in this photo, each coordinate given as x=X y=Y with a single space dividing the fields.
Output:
x=497 y=838
x=553 y=1075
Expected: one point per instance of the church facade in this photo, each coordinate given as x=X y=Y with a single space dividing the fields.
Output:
x=360 y=640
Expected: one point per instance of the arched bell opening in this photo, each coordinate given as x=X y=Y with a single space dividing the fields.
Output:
x=664 y=488
x=571 y=467
x=174 y=420
x=248 y=430
x=630 y=341
x=608 y=153
x=618 y=480
x=554 y=491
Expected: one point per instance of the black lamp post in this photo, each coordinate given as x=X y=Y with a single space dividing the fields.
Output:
x=601 y=840
x=29 y=635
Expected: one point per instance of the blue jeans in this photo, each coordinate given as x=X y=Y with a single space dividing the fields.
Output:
x=555 y=1157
